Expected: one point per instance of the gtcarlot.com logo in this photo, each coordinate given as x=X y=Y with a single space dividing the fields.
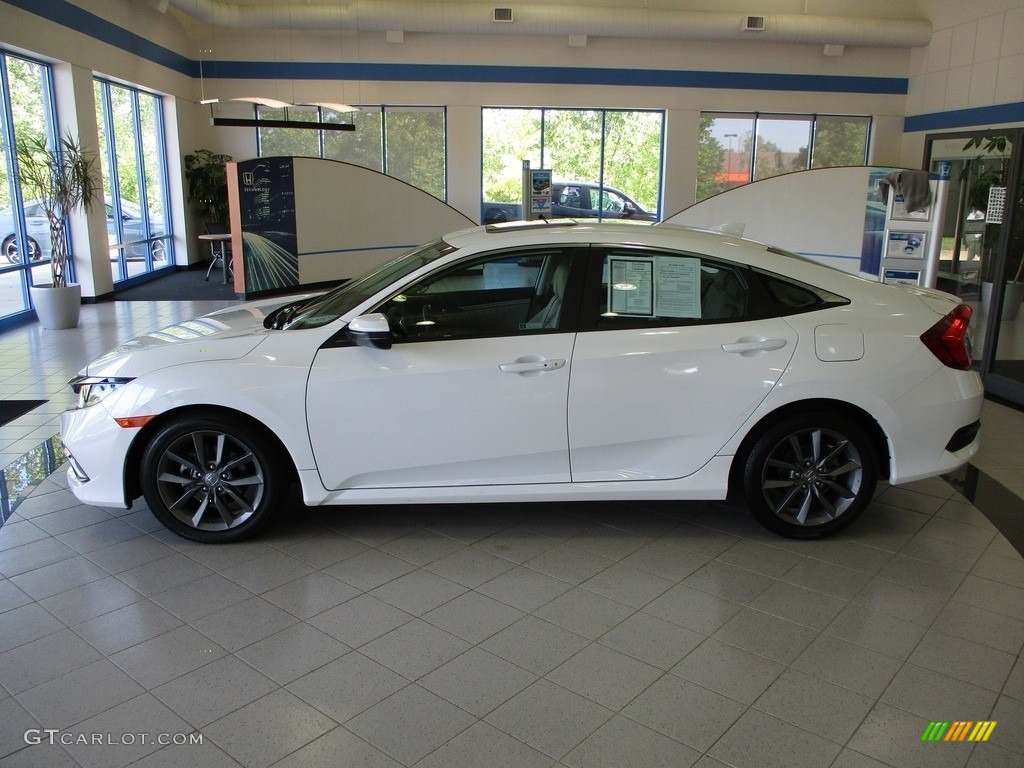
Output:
x=69 y=738
x=958 y=730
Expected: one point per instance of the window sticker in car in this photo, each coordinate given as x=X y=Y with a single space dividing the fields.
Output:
x=654 y=286
x=631 y=286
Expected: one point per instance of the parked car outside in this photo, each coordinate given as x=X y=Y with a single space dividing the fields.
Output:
x=37 y=231
x=700 y=364
x=576 y=199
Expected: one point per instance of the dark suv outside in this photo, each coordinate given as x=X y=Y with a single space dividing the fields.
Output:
x=577 y=200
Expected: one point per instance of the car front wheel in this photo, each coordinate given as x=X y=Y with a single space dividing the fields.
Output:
x=10 y=250
x=212 y=479
x=810 y=475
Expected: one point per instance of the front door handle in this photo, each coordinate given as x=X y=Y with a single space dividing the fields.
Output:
x=751 y=346
x=532 y=366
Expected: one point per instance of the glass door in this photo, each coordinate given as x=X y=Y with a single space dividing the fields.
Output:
x=1005 y=372
x=983 y=248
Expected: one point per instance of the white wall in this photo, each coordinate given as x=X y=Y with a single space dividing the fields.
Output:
x=975 y=60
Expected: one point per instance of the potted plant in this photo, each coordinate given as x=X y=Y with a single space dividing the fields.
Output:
x=207 y=179
x=61 y=178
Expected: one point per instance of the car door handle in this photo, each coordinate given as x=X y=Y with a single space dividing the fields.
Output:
x=748 y=346
x=532 y=366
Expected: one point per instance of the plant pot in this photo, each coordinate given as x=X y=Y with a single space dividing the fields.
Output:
x=57 y=308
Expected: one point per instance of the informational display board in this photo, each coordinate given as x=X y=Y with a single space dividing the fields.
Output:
x=266 y=203
x=536 y=192
x=913 y=235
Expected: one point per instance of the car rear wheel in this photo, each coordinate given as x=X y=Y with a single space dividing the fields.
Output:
x=809 y=475
x=212 y=479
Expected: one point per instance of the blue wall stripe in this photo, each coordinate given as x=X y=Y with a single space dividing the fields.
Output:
x=458 y=73
x=64 y=13
x=965 y=118
x=71 y=16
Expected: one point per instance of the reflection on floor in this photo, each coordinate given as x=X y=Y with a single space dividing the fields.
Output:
x=580 y=635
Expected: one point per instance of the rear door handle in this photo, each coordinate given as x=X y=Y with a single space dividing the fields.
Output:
x=751 y=346
x=532 y=366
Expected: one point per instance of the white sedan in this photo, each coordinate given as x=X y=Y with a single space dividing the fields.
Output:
x=538 y=362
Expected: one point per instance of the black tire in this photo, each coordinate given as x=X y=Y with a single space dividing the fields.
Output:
x=212 y=479
x=10 y=250
x=809 y=475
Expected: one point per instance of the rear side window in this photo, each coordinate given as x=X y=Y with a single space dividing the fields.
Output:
x=779 y=296
x=642 y=288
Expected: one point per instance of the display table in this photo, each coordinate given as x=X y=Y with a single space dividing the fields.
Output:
x=219 y=248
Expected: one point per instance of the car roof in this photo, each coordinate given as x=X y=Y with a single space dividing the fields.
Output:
x=613 y=231
x=669 y=237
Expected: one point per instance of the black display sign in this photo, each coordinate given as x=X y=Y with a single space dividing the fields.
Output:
x=266 y=197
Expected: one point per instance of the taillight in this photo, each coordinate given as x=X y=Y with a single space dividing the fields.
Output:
x=947 y=339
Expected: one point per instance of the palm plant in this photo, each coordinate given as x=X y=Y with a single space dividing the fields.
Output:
x=61 y=178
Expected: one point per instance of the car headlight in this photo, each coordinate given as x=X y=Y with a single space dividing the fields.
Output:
x=94 y=389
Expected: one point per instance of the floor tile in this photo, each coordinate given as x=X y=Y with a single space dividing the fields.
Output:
x=167 y=656
x=44 y=659
x=652 y=640
x=549 y=718
x=852 y=666
x=473 y=617
x=414 y=649
x=347 y=686
x=481 y=746
x=91 y=600
x=477 y=681
x=80 y=694
x=124 y=627
x=309 y=595
x=814 y=705
x=758 y=740
x=605 y=676
x=709 y=714
x=244 y=623
x=292 y=653
x=728 y=670
x=338 y=747
x=360 y=620
x=534 y=644
x=410 y=724
x=272 y=727
x=621 y=742
x=213 y=691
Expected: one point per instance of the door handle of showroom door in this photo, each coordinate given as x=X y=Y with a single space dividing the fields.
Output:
x=532 y=366
x=751 y=346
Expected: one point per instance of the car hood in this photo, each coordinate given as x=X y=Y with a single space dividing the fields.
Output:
x=226 y=334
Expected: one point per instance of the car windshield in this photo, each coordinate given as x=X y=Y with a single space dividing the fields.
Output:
x=347 y=297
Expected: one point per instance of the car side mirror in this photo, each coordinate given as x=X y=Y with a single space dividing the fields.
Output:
x=628 y=209
x=371 y=330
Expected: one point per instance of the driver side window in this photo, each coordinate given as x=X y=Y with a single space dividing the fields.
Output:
x=503 y=294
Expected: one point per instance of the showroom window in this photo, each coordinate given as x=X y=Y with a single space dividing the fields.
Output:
x=621 y=149
x=26 y=110
x=135 y=183
x=408 y=143
x=737 y=148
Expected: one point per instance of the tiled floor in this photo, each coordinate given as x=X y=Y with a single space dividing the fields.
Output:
x=583 y=635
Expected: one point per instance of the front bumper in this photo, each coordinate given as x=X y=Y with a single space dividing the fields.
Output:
x=98 y=448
